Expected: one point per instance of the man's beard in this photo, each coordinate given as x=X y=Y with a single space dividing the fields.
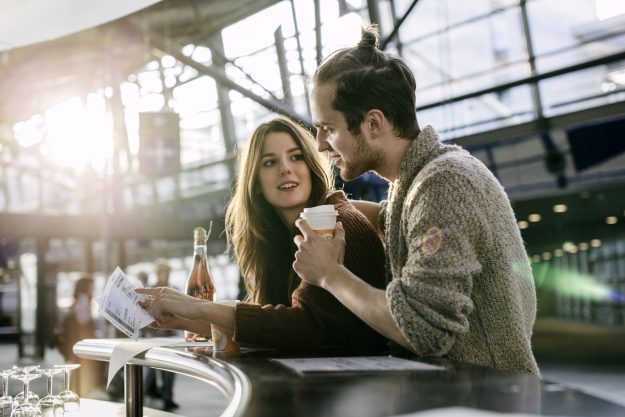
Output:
x=364 y=159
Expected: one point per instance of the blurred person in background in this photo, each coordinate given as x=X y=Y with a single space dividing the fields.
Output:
x=166 y=389
x=142 y=276
x=78 y=324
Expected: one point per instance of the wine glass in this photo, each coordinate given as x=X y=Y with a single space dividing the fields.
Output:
x=70 y=399
x=51 y=405
x=6 y=401
x=32 y=397
x=26 y=408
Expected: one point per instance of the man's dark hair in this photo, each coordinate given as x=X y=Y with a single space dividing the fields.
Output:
x=368 y=78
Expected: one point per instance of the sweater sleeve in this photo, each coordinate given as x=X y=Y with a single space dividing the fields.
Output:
x=284 y=327
x=316 y=318
x=431 y=299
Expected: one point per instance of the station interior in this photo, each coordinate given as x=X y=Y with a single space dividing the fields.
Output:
x=121 y=124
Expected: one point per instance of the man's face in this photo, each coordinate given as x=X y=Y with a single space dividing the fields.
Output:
x=352 y=154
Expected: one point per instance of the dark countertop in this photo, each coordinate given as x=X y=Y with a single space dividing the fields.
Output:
x=279 y=391
x=257 y=386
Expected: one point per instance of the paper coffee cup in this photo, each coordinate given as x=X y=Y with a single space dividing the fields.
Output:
x=321 y=219
x=223 y=340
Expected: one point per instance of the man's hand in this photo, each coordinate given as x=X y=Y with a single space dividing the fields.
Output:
x=317 y=258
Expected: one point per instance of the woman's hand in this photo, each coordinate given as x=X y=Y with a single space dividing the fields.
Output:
x=166 y=303
x=174 y=310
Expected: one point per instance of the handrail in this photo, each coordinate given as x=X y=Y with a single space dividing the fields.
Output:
x=228 y=379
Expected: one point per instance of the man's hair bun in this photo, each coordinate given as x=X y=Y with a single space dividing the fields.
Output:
x=370 y=37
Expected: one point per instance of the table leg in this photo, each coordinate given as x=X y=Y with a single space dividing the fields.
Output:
x=133 y=390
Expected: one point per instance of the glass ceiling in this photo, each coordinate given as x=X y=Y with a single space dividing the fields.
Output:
x=480 y=65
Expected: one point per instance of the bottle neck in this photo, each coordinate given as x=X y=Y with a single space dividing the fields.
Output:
x=200 y=249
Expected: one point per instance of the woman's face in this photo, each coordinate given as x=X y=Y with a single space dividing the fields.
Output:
x=284 y=176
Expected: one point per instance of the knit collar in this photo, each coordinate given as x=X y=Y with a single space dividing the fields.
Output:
x=418 y=154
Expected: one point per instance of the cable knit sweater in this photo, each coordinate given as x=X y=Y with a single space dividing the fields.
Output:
x=316 y=318
x=461 y=284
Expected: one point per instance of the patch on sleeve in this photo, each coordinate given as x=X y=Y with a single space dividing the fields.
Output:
x=432 y=241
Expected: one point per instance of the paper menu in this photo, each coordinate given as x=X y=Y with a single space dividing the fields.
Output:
x=119 y=305
x=355 y=364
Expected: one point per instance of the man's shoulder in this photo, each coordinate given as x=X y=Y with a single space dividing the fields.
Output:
x=455 y=163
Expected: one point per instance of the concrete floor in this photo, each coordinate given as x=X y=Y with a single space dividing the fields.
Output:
x=197 y=399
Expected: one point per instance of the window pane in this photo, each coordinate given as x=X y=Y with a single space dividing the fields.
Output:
x=582 y=89
x=432 y=15
x=480 y=114
x=565 y=32
x=470 y=57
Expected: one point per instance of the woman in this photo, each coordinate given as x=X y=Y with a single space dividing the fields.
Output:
x=281 y=173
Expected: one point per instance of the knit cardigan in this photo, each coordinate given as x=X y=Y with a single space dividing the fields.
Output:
x=461 y=284
x=315 y=317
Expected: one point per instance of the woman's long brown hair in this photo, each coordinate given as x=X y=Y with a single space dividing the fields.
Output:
x=261 y=242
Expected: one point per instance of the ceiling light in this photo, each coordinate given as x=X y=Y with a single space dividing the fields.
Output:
x=611 y=220
x=558 y=252
x=534 y=217
x=560 y=208
x=569 y=247
x=583 y=246
x=595 y=243
x=536 y=258
x=546 y=256
x=523 y=224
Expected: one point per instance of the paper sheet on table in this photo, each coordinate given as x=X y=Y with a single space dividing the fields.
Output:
x=119 y=305
x=128 y=349
x=355 y=363
x=462 y=411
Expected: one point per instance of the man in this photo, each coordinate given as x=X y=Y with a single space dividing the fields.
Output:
x=459 y=281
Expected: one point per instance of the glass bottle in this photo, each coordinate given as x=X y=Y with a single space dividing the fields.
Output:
x=200 y=283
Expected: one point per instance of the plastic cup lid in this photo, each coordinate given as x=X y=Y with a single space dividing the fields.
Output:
x=322 y=210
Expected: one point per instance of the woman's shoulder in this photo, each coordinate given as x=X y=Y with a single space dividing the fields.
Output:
x=348 y=214
x=336 y=197
x=342 y=204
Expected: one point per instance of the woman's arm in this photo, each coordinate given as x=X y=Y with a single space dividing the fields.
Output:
x=165 y=304
x=317 y=318
x=177 y=323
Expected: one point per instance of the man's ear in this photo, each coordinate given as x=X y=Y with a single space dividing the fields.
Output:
x=375 y=122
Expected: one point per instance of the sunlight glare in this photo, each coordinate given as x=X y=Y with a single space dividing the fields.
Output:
x=28 y=133
x=79 y=135
x=609 y=8
x=342 y=32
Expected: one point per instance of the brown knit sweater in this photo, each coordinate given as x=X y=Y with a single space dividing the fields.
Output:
x=462 y=284
x=315 y=318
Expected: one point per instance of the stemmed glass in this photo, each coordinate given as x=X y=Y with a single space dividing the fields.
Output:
x=26 y=408
x=70 y=399
x=32 y=397
x=51 y=405
x=6 y=401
